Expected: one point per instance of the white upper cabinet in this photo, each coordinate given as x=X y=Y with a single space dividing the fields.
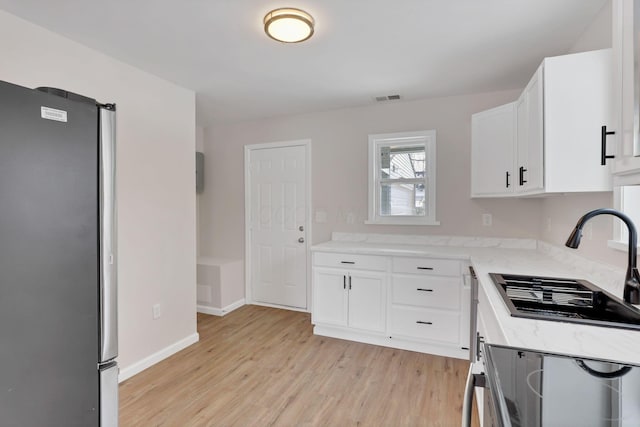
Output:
x=530 y=125
x=557 y=146
x=625 y=142
x=493 y=151
x=578 y=102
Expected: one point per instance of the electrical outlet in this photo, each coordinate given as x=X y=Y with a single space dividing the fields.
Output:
x=487 y=220
x=156 y=311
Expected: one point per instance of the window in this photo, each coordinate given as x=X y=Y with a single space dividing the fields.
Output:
x=626 y=199
x=402 y=178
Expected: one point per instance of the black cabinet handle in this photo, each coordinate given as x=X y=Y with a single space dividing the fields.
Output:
x=424 y=290
x=349 y=282
x=603 y=145
x=347 y=262
x=344 y=282
x=420 y=322
x=425 y=268
x=522 y=170
x=508 y=175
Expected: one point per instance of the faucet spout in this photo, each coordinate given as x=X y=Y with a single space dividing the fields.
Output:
x=632 y=278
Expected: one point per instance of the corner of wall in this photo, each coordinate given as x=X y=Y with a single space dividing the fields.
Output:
x=598 y=35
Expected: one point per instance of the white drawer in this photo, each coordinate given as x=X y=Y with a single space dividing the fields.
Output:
x=431 y=266
x=361 y=262
x=436 y=292
x=425 y=324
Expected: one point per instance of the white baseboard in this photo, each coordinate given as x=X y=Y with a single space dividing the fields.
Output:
x=282 y=307
x=220 y=311
x=156 y=357
x=439 y=349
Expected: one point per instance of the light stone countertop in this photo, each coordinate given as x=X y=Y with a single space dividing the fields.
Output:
x=508 y=256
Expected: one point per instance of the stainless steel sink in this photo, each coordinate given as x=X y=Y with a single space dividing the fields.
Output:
x=564 y=300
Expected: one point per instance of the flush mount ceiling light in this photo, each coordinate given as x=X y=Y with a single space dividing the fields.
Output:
x=288 y=25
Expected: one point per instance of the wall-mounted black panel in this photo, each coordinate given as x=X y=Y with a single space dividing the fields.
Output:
x=199 y=172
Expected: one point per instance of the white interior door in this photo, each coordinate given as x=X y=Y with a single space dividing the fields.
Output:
x=278 y=225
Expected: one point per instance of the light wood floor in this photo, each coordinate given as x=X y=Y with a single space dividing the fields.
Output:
x=261 y=366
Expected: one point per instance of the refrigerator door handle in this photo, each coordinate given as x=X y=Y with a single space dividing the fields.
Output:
x=108 y=255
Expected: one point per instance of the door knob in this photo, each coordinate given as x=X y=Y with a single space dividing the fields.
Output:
x=301 y=240
x=301 y=228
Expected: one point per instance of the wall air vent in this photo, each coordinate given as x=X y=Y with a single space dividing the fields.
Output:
x=387 y=98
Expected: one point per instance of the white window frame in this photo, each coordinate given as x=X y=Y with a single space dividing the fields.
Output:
x=428 y=139
x=618 y=242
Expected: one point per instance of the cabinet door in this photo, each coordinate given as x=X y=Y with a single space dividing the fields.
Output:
x=329 y=296
x=493 y=139
x=535 y=128
x=627 y=161
x=577 y=103
x=521 y=140
x=530 y=136
x=367 y=301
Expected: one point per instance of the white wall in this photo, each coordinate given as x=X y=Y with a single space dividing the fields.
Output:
x=598 y=34
x=155 y=178
x=560 y=214
x=339 y=167
x=339 y=171
x=199 y=138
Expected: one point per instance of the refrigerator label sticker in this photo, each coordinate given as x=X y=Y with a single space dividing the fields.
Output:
x=53 y=114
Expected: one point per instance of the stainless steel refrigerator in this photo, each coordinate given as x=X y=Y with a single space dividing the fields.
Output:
x=58 y=314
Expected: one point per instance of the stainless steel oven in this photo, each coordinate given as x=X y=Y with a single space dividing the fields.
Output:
x=538 y=389
x=473 y=320
x=477 y=378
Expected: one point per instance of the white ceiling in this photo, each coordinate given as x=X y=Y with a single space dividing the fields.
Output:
x=361 y=48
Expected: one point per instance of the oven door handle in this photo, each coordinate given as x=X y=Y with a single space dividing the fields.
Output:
x=473 y=381
x=473 y=318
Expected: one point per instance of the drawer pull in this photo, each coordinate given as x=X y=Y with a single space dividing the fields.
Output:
x=425 y=268
x=424 y=323
x=424 y=290
x=347 y=262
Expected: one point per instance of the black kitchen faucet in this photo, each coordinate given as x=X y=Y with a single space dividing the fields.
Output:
x=632 y=278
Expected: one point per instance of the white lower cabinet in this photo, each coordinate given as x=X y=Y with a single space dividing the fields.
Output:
x=367 y=301
x=356 y=299
x=426 y=301
x=403 y=302
x=330 y=298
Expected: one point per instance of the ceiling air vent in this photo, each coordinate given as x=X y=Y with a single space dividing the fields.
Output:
x=387 y=98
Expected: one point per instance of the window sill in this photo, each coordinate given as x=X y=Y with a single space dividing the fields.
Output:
x=401 y=221
x=619 y=246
